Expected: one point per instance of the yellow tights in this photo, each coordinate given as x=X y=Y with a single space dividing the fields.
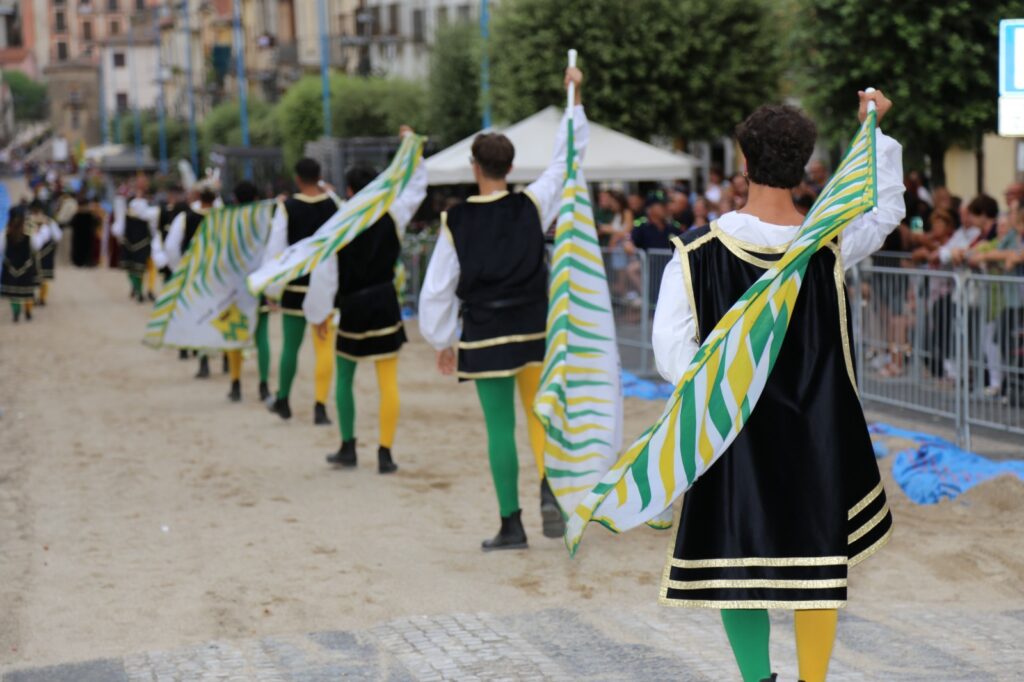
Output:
x=528 y=381
x=235 y=364
x=44 y=290
x=815 y=635
x=323 y=368
x=150 y=276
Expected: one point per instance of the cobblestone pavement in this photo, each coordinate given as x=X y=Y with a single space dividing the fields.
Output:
x=654 y=644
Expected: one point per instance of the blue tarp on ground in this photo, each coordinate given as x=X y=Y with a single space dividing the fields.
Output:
x=635 y=387
x=936 y=469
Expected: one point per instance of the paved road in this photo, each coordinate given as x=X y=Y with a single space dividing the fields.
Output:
x=655 y=644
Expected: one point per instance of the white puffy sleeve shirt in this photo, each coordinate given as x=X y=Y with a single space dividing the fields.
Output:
x=674 y=335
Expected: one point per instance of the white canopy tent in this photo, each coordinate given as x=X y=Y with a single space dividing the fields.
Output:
x=611 y=156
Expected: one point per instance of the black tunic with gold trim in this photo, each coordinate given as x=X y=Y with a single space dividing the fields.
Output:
x=136 y=244
x=797 y=499
x=503 y=279
x=47 y=254
x=168 y=212
x=305 y=216
x=193 y=219
x=370 y=326
x=20 y=274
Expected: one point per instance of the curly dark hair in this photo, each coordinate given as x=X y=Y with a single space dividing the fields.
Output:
x=777 y=141
x=983 y=205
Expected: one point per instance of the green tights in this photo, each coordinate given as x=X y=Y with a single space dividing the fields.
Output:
x=294 y=330
x=497 y=398
x=748 y=631
x=263 y=345
x=136 y=280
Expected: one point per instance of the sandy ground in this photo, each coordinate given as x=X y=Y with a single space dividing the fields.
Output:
x=140 y=509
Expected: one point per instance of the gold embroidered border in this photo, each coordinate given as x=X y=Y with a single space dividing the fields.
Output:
x=357 y=358
x=866 y=528
x=725 y=584
x=879 y=544
x=752 y=604
x=840 y=277
x=666 y=573
x=760 y=561
x=444 y=228
x=734 y=247
x=296 y=313
x=501 y=340
x=748 y=246
x=306 y=199
x=498 y=373
x=479 y=199
x=863 y=504
x=370 y=334
x=684 y=265
x=298 y=288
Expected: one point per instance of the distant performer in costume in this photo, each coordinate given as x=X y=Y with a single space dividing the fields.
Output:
x=246 y=193
x=360 y=283
x=489 y=269
x=173 y=204
x=19 y=272
x=85 y=224
x=296 y=218
x=37 y=222
x=179 y=236
x=135 y=224
x=797 y=499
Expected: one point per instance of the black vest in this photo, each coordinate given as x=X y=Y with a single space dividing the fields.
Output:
x=502 y=284
x=137 y=239
x=20 y=274
x=305 y=216
x=192 y=222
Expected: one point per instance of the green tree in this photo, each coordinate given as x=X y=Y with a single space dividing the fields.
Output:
x=29 y=96
x=455 y=105
x=937 y=61
x=359 y=107
x=692 y=69
x=223 y=125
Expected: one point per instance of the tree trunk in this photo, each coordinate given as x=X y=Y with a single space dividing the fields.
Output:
x=937 y=157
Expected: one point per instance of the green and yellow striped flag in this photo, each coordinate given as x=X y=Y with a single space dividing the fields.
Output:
x=717 y=393
x=580 y=400
x=357 y=214
x=210 y=282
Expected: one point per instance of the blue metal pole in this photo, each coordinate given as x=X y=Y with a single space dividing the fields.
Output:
x=137 y=114
x=243 y=82
x=104 y=122
x=161 y=104
x=485 y=62
x=325 y=58
x=193 y=143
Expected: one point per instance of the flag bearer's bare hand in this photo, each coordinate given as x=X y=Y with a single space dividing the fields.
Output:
x=882 y=104
x=446 y=361
x=323 y=329
x=574 y=75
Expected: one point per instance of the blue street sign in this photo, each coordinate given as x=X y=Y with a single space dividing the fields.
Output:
x=1011 y=57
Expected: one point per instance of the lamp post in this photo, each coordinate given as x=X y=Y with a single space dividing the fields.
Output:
x=325 y=57
x=485 y=62
x=243 y=82
x=193 y=143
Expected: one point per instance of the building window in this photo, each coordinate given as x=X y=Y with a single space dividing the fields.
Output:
x=112 y=6
x=87 y=30
x=442 y=15
x=465 y=12
x=394 y=19
x=419 y=28
x=62 y=52
x=375 y=27
x=60 y=25
x=115 y=27
x=119 y=60
x=122 y=101
x=76 y=122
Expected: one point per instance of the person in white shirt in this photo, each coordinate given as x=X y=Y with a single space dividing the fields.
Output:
x=797 y=498
x=488 y=271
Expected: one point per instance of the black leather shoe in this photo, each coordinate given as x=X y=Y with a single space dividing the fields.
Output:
x=236 y=392
x=385 y=464
x=151 y=297
x=28 y=315
x=320 y=415
x=281 y=408
x=183 y=354
x=550 y=512
x=773 y=678
x=204 y=368
x=511 y=535
x=17 y=315
x=345 y=456
x=264 y=392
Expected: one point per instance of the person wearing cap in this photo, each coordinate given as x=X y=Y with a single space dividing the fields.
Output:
x=359 y=282
x=19 y=273
x=488 y=271
x=297 y=217
x=656 y=229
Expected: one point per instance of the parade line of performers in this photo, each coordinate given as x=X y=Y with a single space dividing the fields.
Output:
x=796 y=500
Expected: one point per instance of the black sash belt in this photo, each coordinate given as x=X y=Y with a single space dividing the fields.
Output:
x=376 y=289
x=501 y=303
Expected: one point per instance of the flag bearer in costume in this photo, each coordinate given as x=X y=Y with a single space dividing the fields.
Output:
x=38 y=221
x=360 y=283
x=19 y=274
x=489 y=265
x=179 y=235
x=246 y=193
x=296 y=218
x=797 y=498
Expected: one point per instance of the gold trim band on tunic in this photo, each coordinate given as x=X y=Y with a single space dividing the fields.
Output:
x=371 y=333
x=498 y=373
x=866 y=528
x=487 y=198
x=840 y=277
x=748 y=246
x=752 y=604
x=307 y=199
x=357 y=358
x=719 y=584
x=863 y=504
x=760 y=561
x=298 y=288
x=879 y=544
x=684 y=266
x=292 y=311
x=501 y=340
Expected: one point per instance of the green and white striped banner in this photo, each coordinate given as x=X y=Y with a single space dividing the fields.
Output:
x=717 y=393
x=357 y=214
x=206 y=303
x=580 y=397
